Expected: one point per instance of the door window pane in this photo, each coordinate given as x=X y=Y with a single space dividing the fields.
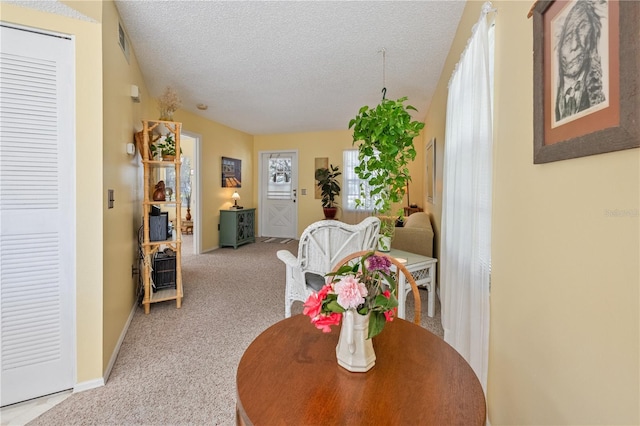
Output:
x=279 y=187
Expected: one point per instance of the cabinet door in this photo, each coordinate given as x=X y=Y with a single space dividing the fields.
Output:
x=228 y=228
x=241 y=226
x=250 y=219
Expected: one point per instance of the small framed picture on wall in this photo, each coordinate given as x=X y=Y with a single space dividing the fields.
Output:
x=231 y=173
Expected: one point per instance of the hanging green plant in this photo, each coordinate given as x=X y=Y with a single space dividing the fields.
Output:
x=385 y=135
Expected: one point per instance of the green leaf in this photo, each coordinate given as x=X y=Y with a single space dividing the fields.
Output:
x=386 y=303
x=334 y=306
x=376 y=323
x=386 y=135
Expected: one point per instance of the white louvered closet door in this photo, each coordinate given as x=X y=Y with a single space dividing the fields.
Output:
x=37 y=214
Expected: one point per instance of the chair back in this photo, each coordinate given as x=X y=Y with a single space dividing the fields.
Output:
x=323 y=244
x=400 y=269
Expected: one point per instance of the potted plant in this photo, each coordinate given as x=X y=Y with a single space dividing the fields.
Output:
x=386 y=135
x=330 y=189
x=166 y=148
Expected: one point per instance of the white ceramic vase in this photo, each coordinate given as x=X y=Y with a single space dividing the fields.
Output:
x=354 y=351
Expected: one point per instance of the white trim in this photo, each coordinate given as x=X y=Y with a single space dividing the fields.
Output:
x=197 y=224
x=116 y=351
x=96 y=383
x=91 y=384
x=35 y=30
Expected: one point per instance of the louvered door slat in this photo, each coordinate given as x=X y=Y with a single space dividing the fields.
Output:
x=36 y=238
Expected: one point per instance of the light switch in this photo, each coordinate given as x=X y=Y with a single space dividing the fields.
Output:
x=303 y=191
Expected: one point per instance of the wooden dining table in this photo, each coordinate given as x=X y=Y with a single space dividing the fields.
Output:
x=289 y=375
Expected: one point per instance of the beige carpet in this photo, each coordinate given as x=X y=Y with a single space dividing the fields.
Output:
x=178 y=366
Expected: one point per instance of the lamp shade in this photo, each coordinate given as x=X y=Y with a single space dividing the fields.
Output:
x=235 y=197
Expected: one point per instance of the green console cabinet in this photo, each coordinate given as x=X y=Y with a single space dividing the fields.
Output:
x=237 y=227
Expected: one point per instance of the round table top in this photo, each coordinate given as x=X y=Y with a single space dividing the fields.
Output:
x=289 y=375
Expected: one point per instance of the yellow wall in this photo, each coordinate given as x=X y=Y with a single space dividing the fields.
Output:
x=218 y=141
x=564 y=339
x=107 y=238
x=309 y=146
x=330 y=144
x=89 y=196
x=122 y=118
x=564 y=345
x=564 y=310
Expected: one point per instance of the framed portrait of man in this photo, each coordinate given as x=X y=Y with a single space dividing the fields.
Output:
x=580 y=68
x=586 y=94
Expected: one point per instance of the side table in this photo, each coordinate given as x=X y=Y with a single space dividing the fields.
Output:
x=408 y=211
x=423 y=269
x=237 y=227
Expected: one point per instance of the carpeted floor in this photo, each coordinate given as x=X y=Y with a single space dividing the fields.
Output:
x=178 y=366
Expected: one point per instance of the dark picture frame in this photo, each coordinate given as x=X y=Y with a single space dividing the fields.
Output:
x=231 y=172
x=598 y=128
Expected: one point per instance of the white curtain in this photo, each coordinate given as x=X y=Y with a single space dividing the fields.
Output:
x=466 y=211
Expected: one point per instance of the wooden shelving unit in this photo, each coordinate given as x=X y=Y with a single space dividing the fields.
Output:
x=153 y=129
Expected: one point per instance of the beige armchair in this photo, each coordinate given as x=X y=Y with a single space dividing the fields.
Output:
x=416 y=236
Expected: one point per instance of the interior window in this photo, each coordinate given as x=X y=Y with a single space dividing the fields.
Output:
x=354 y=188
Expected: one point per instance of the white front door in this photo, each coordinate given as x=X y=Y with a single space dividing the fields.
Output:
x=37 y=214
x=278 y=194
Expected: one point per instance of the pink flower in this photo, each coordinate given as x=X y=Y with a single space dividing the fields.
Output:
x=351 y=292
x=325 y=321
x=389 y=315
x=313 y=304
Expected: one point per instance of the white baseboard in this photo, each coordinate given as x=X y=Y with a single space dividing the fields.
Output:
x=96 y=383
x=91 y=384
x=116 y=350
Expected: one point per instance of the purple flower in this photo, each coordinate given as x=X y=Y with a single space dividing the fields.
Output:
x=378 y=263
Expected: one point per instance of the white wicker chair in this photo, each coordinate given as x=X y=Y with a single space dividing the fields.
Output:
x=322 y=245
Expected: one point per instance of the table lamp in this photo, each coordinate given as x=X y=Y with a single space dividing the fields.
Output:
x=235 y=197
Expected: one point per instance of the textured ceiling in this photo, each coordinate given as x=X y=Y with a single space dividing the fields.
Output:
x=290 y=66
